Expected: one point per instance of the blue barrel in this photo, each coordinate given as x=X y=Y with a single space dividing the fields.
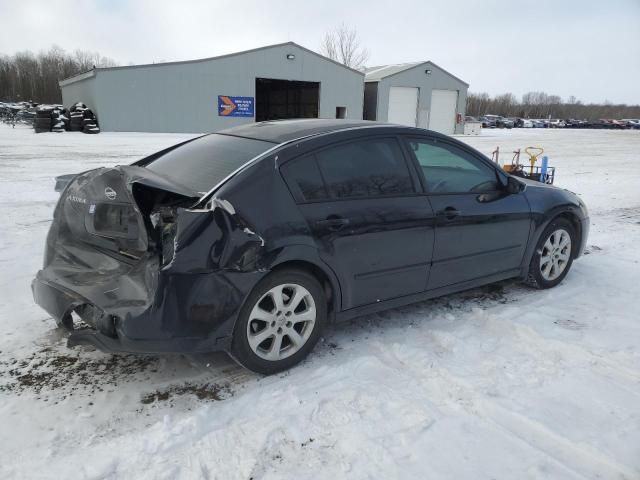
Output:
x=543 y=169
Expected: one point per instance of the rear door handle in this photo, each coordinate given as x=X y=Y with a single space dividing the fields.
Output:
x=333 y=224
x=449 y=213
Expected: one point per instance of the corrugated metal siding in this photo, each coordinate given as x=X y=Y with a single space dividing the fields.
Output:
x=416 y=77
x=81 y=91
x=182 y=97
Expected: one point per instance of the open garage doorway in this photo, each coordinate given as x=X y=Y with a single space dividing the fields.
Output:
x=279 y=99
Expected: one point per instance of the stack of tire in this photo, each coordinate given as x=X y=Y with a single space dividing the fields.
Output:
x=82 y=119
x=76 y=117
x=59 y=120
x=43 y=120
x=50 y=118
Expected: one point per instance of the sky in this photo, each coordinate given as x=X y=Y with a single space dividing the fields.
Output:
x=589 y=49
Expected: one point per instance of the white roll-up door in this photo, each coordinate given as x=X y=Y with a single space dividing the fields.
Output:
x=403 y=105
x=442 y=117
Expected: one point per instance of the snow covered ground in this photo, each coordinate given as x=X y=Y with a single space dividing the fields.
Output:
x=503 y=382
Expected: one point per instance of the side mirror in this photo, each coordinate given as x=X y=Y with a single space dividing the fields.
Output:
x=513 y=185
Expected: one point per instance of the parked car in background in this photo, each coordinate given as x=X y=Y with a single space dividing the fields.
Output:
x=505 y=123
x=557 y=123
x=537 y=123
x=251 y=239
x=488 y=121
x=523 y=123
x=632 y=122
x=573 y=123
x=498 y=121
x=598 y=124
x=618 y=124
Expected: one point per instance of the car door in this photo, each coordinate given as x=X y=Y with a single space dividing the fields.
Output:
x=481 y=230
x=373 y=226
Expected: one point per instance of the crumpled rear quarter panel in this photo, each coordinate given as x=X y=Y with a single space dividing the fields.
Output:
x=193 y=297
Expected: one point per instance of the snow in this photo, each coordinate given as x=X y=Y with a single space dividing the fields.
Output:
x=499 y=382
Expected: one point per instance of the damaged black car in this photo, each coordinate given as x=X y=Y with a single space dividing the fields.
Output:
x=251 y=239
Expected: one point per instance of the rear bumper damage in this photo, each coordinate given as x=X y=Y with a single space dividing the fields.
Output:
x=179 y=325
x=170 y=279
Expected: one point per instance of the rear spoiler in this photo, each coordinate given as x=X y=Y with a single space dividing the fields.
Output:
x=63 y=180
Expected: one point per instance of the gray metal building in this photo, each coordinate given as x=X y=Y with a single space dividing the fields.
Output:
x=273 y=82
x=417 y=94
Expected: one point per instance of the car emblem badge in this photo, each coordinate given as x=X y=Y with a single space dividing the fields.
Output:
x=110 y=193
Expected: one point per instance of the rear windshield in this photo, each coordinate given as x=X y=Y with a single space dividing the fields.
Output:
x=203 y=163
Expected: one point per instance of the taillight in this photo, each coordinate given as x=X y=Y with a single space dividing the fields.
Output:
x=113 y=219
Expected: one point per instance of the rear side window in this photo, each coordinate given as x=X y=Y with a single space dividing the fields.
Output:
x=365 y=168
x=206 y=161
x=304 y=179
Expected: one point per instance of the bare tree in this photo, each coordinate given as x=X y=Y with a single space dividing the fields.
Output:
x=27 y=76
x=342 y=45
x=543 y=105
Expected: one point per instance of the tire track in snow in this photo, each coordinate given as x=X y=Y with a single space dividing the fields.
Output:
x=575 y=355
x=448 y=389
x=580 y=458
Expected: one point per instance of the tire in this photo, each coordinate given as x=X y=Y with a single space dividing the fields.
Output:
x=553 y=253
x=279 y=325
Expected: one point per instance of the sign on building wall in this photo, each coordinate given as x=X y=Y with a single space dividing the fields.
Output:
x=235 y=106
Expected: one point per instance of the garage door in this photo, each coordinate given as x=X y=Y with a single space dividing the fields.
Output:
x=403 y=105
x=279 y=99
x=443 y=111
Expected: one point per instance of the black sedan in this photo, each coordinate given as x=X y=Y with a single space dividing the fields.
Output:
x=249 y=240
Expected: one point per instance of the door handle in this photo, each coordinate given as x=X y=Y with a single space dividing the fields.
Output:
x=333 y=224
x=449 y=213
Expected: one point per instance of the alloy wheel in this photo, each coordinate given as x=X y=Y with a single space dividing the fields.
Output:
x=281 y=322
x=555 y=256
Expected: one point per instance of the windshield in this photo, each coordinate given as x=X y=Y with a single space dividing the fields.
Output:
x=203 y=163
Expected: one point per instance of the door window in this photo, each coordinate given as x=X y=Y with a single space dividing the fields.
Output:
x=448 y=169
x=304 y=179
x=365 y=168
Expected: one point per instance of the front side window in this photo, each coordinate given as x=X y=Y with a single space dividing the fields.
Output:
x=448 y=169
x=365 y=168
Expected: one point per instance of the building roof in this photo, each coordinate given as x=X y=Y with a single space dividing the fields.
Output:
x=279 y=131
x=90 y=73
x=375 y=74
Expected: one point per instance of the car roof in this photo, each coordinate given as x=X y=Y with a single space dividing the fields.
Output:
x=280 y=131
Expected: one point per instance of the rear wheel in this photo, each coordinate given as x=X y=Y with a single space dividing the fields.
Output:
x=280 y=322
x=553 y=256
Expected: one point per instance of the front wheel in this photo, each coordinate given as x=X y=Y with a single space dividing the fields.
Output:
x=553 y=256
x=280 y=322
